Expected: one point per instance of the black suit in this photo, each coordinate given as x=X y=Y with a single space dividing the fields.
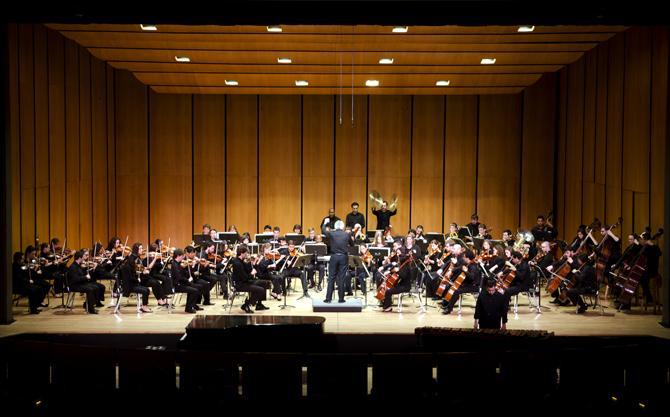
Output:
x=585 y=283
x=23 y=286
x=244 y=281
x=78 y=280
x=522 y=281
x=339 y=262
x=183 y=284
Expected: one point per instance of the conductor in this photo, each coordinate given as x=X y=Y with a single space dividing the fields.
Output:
x=339 y=260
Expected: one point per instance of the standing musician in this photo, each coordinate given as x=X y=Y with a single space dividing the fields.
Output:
x=472 y=278
x=653 y=254
x=544 y=230
x=244 y=278
x=407 y=255
x=473 y=226
x=383 y=216
x=355 y=217
x=491 y=308
x=79 y=280
x=22 y=284
x=328 y=221
x=185 y=283
x=339 y=261
x=585 y=282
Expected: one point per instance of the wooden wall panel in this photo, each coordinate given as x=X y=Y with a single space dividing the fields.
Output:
x=499 y=160
x=659 y=112
x=72 y=150
x=389 y=155
x=351 y=156
x=601 y=131
x=589 y=140
x=27 y=134
x=559 y=215
x=111 y=150
x=428 y=162
x=14 y=133
x=99 y=153
x=539 y=132
x=242 y=162
x=170 y=164
x=85 y=149
x=41 y=85
x=280 y=165
x=614 y=118
x=460 y=159
x=209 y=162
x=56 y=135
x=574 y=148
x=636 y=111
x=318 y=147
x=132 y=168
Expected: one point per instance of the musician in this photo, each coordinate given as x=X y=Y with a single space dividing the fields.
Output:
x=35 y=270
x=314 y=266
x=23 y=285
x=103 y=269
x=507 y=238
x=473 y=226
x=141 y=262
x=185 y=283
x=378 y=241
x=355 y=217
x=212 y=268
x=653 y=254
x=193 y=269
x=116 y=251
x=297 y=229
x=383 y=216
x=582 y=242
x=625 y=261
x=267 y=229
x=482 y=232
x=498 y=259
x=388 y=235
x=266 y=269
x=543 y=229
x=544 y=258
x=472 y=279
x=585 y=282
x=129 y=276
x=276 y=237
x=569 y=256
x=79 y=280
x=453 y=231
x=406 y=272
x=328 y=221
x=523 y=280
x=290 y=270
x=206 y=229
x=339 y=261
x=214 y=236
x=434 y=260
x=232 y=229
x=157 y=272
x=368 y=267
x=244 y=278
x=491 y=308
x=612 y=244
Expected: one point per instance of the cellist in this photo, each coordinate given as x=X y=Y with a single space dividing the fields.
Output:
x=585 y=282
x=406 y=256
x=472 y=280
x=523 y=280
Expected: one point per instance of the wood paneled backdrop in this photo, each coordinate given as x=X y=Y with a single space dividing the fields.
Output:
x=99 y=154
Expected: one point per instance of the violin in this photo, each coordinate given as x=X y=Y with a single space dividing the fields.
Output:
x=273 y=256
x=215 y=257
x=294 y=252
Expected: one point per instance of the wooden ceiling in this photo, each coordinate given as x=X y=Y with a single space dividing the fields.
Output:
x=336 y=59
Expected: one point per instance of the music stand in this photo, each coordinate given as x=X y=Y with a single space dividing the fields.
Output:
x=296 y=238
x=435 y=236
x=379 y=252
x=477 y=243
x=301 y=262
x=371 y=234
x=254 y=248
x=230 y=237
x=464 y=232
x=356 y=262
x=199 y=239
x=316 y=249
x=261 y=238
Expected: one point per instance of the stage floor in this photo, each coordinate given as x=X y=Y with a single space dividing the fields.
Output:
x=560 y=320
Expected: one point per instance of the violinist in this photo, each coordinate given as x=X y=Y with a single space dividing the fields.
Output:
x=433 y=260
x=289 y=270
x=266 y=267
x=407 y=255
x=23 y=285
x=130 y=273
x=585 y=282
x=212 y=266
x=35 y=270
x=156 y=266
x=244 y=279
x=214 y=236
x=79 y=280
x=523 y=280
x=355 y=217
x=103 y=268
x=185 y=283
x=146 y=262
x=472 y=280
x=192 y=266
x=361 y=272
x=378 y=241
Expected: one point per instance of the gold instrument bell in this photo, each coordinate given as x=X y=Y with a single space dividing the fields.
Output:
x=376 y=200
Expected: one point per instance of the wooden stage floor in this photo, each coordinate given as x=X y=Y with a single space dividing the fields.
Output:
x=560 y=320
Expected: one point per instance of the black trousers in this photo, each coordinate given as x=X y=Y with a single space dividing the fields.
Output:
x=205 y=287
x=139 y=289
x=167 y=286
x=575 y=295
x=462 y=289
x=361 y=277
x=514 y=290
x=256 y=289
x=404 y=286
x=35 y=294
x=94 y=291
x=337 y=270
x=193 y=294
x=155 y=285
x=312 y=269
x=295 y=272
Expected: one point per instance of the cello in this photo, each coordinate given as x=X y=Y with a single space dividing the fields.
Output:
x=560 y=275
x=391 y=280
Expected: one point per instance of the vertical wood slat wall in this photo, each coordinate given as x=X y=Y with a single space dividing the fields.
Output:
x=612 y=135
x=98 y=154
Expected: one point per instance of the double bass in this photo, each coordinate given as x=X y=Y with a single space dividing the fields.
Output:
x=632 y=279
x=604 y=252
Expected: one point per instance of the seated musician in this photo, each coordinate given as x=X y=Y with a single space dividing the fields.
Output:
x=378 y=241
x=48 y=261
x=297 y=229
x=289 y=270
x=433 y=260
x=79 y=280
x=116 y=251
x=388 y=235
x=407 y=255
x=559 y=294
x=508 y=238
x=582 y=242
x=315 y=266
x=419 y=235
x=585 y=282
x=276 y=237
x=483 y=232
x=157 y=272
x=184 y=282
x=622 y=266
x=472 y=280
x=194 y=269
x=130 y=273
x=653 y=254
x=244 y=279
x=35 y=269
x=211 y=269
x=491 y=308
x=523 y=281
x=214 y=236
x=24 y=285
x=361 y=272
x=544 y=258
x=613 y=247
x=453 y=231
x=266 y=269
x=145 y=263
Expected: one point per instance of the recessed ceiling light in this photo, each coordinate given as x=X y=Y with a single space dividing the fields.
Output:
x=182 y=59
x=275 y=28
x=488 y=61
x=386 y=61
x=231 y=82
x=284 y=60
x=400 y=29
x=526 y=29
x=442 y=83
x=301 y=83
x=148 y=27
x=372 y=83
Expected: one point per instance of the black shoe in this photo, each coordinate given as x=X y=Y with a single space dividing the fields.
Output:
x=326 y=301
x=208 y=303
x=197 y=307
x=555 y=301
x=341 y=301
x=44 y=305
x=35 y=311
x=318 y=288
x=349 y=293
x=94 y=311
x=190 y=310
x=99 y=304
x=246 y=308
x=447 y=311
x=260 y=306
x=306 y=295
x=624 y=307
x=581 y=309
